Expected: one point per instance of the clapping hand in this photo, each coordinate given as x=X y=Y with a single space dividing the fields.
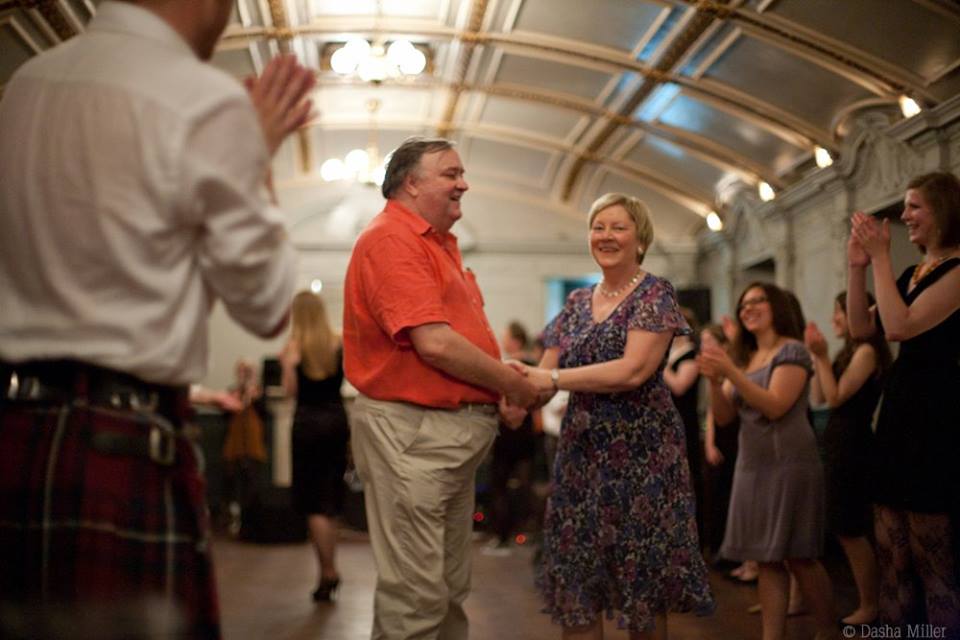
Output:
x=714 y=362
x=280 y=97
x=813 y=338
x=872 y=237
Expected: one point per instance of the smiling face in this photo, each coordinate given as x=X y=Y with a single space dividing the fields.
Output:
x=921 y=224
x=613 y=238
x=754 y=310
x=436 y=186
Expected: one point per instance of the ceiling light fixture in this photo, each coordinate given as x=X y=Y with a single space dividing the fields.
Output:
x=714 y=223
x=361 y=165
x=909 y=106
x=822 y=157
x=766 y=191
x=377 y=62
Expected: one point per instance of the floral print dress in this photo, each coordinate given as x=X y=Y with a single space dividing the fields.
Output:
x=620 y=531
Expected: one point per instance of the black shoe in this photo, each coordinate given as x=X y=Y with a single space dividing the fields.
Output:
x=326 y=591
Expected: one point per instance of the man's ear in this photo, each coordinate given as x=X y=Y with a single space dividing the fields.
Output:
x=410 y=185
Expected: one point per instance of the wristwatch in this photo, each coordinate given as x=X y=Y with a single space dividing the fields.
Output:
x=555 y=379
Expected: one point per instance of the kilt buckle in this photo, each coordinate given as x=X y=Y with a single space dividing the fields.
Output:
x=162 y=445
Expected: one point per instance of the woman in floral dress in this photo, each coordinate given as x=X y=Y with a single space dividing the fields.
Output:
x=620 y=531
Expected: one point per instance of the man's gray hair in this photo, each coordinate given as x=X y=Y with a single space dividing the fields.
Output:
x=406 y=158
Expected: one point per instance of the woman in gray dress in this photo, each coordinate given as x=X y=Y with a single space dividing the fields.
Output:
x=777 y=504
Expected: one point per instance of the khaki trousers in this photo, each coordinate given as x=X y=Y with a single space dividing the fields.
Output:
x=418 y=467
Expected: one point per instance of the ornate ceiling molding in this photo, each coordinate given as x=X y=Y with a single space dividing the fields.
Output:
x=705 y=149
x=759 y=112
x=872 y=73
x=466 y=44
x=679 y=42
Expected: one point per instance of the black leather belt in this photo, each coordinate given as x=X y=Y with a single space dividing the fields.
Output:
x=68 y=381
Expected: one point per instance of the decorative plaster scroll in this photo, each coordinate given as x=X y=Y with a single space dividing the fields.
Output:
x=882 y=164
x=757 y=238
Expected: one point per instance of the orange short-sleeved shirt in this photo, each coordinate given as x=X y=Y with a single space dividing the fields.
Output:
x=404 y=274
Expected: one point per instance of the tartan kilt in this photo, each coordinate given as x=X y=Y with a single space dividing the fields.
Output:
x=84 y=529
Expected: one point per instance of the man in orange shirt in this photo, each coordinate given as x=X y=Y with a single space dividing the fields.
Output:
x=418 y=347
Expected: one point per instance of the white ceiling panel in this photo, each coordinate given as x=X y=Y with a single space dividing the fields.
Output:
x=512 y=163
x=613 y=23
x=668 y=159
x=905 y=33
x=554 y=76
x=784 y=80
x=528 y=116
x=739 y=135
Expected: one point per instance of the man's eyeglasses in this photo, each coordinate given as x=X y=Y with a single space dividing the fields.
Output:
x=751 y=302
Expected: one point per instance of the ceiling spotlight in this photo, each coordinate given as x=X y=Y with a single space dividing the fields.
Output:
x=766 y=191
x=909 y=106
x=714 y=222
x=822 y=156
x=316 y=285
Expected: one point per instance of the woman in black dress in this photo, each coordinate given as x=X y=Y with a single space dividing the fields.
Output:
x=313 y=372
x=916 y=482
x=682 y=375
x=851 y=387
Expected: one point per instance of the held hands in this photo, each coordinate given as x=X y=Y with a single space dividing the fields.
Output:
x=813 y=338
x=522 y=393
x=510 y=415
x=542 y=396
x=280 y=97
x=714 y=363
x=871 y=237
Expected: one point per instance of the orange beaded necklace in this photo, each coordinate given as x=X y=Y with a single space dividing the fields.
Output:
x=923 y=269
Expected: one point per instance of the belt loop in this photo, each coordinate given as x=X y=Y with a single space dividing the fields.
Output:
x=163 y=445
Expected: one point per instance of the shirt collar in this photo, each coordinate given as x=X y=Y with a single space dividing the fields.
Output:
x=416 y=222
x=130 y=19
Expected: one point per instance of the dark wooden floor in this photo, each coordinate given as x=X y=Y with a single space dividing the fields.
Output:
x=264 y=594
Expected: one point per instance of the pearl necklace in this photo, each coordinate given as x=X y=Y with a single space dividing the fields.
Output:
x=921 y=271
x=613 y=294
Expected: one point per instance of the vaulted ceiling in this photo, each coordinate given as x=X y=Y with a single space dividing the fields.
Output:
x=553 y=102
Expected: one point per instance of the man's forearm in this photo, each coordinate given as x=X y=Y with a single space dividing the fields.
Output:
x=443 y=348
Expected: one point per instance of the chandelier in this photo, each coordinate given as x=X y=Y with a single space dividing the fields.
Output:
x=377 y=62
x=360 y=165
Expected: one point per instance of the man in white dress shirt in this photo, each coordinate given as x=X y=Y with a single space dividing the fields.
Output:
x=132 y=196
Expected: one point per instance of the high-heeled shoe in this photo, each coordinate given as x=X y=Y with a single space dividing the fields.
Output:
x=326 y=591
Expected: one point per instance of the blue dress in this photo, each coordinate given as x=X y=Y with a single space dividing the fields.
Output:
x=620 y=531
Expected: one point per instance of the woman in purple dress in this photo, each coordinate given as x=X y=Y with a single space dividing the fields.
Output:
x=620 y=532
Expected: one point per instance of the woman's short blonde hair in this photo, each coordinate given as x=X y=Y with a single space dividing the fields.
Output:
x=638 y=212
